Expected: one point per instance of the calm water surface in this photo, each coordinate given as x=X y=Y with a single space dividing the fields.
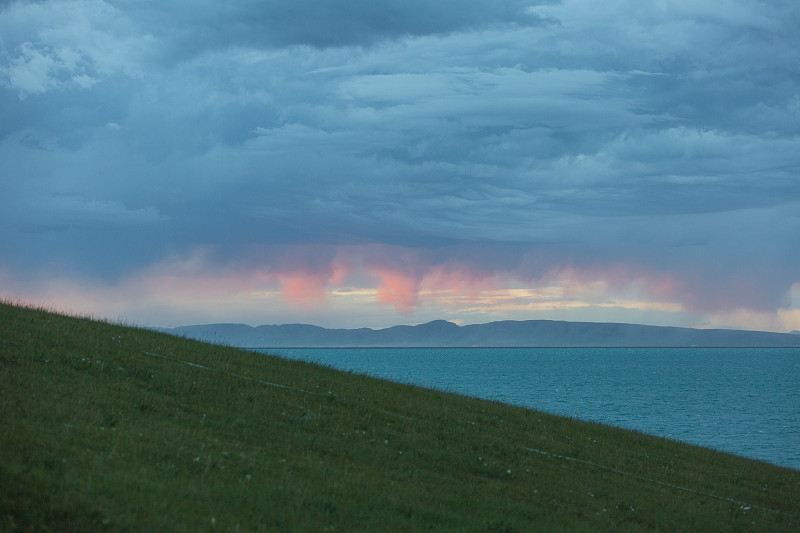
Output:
x=743 y=401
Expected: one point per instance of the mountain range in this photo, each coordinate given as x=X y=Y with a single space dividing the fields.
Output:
x=507 y=333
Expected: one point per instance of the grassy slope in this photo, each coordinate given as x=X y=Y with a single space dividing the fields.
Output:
x=95 y=433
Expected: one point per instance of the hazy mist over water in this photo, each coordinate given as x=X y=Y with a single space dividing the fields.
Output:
x=740 y=400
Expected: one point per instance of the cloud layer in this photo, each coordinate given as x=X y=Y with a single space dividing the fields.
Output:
x=352 y=157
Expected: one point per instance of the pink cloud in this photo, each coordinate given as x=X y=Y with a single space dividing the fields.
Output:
x=428 y=282
x=398 y=289
x=307 y=288
x=307 y=291
x=620 y=278
x=460 y=279
x=403 y=288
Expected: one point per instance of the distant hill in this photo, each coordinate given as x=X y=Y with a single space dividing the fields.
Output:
x=545 y=333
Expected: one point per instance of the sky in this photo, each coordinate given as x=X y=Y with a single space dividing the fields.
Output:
x=352 y=163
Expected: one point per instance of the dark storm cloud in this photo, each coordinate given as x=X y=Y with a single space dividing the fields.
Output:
x=515 y=137
x=198 y=25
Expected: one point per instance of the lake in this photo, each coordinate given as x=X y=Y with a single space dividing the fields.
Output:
x=742 y=401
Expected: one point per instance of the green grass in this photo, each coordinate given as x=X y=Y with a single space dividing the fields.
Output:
x=97 y=433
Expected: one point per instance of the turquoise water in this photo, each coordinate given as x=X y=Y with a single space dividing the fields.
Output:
x=743 y=401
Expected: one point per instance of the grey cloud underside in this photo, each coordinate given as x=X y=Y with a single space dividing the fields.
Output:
x=319 y=23
x=586 y=136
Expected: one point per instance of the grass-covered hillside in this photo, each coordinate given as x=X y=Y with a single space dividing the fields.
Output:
x=106 y=427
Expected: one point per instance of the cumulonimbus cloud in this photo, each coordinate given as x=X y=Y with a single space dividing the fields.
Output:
x=646 y=151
